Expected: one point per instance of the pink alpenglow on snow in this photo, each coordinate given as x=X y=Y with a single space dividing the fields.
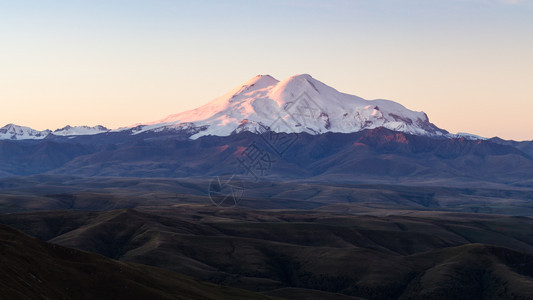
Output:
x=303 y=103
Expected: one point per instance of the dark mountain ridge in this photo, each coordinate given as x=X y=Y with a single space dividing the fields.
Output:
x=372 y=155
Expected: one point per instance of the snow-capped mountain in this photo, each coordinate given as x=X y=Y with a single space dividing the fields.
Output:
x=79 y=130
x=297 y=104
x=16 y=132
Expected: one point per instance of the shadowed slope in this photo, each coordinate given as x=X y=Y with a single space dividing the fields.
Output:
x=32 y=269
x=370 y=156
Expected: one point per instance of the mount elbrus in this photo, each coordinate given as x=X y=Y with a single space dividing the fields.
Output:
x=299 y=103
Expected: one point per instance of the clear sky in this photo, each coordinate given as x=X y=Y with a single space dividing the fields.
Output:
x=467 y=63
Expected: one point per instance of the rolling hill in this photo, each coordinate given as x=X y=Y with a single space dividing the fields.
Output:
x=380 y=255
x=33 y=269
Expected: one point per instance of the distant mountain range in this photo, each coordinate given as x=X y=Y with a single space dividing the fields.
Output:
x=298 y=128
x=16 y=132
x=297 y=104
x=370 y=156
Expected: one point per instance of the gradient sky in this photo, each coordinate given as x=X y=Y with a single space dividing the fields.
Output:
x=467 y=63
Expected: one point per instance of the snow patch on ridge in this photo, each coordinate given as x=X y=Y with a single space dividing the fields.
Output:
x=467 y=136
x=16 y=132
x=79 y=130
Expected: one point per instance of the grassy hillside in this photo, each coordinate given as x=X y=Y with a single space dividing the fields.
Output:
x=402 y=254
x=32 y=269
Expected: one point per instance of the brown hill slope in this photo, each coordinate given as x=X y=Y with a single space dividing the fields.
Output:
x=32 y=269
x=370 y=256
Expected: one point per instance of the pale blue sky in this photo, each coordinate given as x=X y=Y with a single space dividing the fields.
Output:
x=467 y=63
